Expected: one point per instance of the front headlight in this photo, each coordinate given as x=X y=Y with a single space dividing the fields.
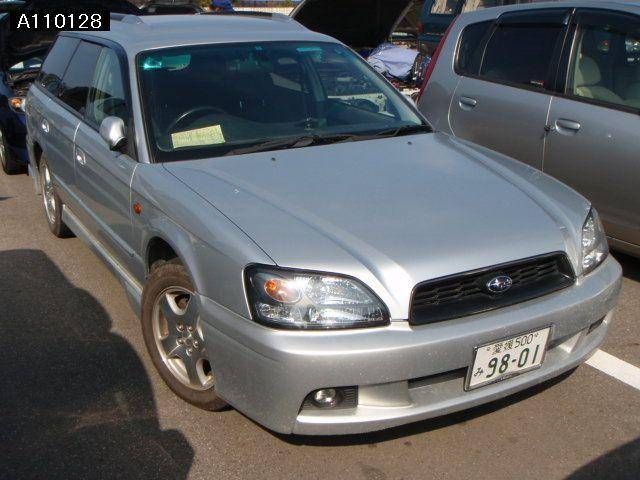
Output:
x=594 y=243
x=307 y=300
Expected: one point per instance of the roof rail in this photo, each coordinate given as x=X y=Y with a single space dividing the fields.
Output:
x=126 y=18
x=253 y=13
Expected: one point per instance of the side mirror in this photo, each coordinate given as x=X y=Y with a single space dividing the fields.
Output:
x=113 y=131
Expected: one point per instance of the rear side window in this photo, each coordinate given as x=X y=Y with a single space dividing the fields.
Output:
x=56 y=63
x=522 y=47
x=79 y=76
x=472 y=47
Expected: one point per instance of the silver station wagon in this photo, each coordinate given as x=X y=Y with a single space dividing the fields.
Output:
x=296 y=240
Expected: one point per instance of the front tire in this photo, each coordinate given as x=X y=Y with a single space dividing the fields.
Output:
x=52 y=203
x=9 y=164
x=172 y=331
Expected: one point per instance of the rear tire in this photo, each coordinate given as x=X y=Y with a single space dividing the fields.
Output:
x=9 y=164
x=173 y=335
x=52 y=203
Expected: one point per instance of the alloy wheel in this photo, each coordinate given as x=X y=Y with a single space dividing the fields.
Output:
x=48 y=195
x=178 y=336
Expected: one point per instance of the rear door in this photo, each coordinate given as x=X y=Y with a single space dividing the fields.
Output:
x=56 y=126
x=507 y=77
x=104 y=176
x=595 y=137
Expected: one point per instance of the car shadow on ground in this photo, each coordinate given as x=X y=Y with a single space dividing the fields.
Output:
x=620 y=464
x=75 y=400
x=630 y=266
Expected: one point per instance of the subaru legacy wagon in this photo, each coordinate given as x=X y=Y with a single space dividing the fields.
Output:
x=295 y=239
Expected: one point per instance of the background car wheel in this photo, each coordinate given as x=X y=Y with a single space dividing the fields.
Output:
x=52 y=203
x=9 y=164
x=172 y=332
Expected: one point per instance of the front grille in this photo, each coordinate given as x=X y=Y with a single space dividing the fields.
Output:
x=466 y=293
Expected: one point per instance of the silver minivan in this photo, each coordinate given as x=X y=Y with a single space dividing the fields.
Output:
x=557 y=86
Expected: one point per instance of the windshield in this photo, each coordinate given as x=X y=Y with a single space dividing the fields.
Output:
x=212 y=100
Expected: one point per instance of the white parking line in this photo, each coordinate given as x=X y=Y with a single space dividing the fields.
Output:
x=616 y=368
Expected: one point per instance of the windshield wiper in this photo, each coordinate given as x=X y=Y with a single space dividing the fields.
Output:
x=404 y=130
x=309 y=140
x=297 y=142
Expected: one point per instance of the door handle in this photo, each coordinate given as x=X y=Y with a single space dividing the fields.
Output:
x=80 y=157
x=45 y=126
x=570 y=125
x=468 y=103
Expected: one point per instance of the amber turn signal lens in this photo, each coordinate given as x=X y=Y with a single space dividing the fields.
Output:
x=282 y=290
x=17 y=103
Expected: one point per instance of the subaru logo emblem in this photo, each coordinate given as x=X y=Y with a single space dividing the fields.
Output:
x=499 y=284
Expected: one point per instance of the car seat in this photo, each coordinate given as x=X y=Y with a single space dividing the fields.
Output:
x=587 y=80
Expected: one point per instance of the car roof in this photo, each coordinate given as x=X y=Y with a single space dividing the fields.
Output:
x=138 y=33
x=617 y=5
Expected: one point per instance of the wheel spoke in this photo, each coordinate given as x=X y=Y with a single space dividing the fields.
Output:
x=190 y=364
x=168 y=309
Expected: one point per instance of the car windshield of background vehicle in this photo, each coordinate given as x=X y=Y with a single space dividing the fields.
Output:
x=234 y=97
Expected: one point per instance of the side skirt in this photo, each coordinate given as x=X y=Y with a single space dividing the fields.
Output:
x=131 y=285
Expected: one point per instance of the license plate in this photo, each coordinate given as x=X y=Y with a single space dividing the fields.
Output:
x=503 y=359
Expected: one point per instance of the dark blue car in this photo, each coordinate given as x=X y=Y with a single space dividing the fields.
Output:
x=21 y=55
x=18 y=68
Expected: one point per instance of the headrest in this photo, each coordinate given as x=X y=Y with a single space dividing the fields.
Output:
x=587 y=73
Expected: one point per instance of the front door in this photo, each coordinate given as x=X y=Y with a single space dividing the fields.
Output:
x=59 y=122
x=104 y=176
x=595 y=137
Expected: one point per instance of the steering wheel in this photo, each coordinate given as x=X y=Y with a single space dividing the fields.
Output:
x=196 y=111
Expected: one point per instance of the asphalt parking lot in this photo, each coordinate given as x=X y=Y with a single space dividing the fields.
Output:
x=79 y=397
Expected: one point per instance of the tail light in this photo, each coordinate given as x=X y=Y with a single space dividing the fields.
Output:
x=434 y=58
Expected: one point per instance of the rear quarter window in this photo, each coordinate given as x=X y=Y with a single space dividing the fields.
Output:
x=56 y=63
x=471 y=48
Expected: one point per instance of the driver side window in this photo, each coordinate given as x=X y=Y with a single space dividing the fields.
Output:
x=107 y=95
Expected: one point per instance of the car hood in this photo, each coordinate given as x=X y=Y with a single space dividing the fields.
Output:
x=392 y=212
x=357 y=23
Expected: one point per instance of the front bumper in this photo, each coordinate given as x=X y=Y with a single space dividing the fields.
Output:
x=403 y=373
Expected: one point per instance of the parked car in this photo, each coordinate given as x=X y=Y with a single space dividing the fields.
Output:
x=18 y=68
x=365 y=24
x=323 y=267
x=21 y=55
x=437 y=15
x=557 y=87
